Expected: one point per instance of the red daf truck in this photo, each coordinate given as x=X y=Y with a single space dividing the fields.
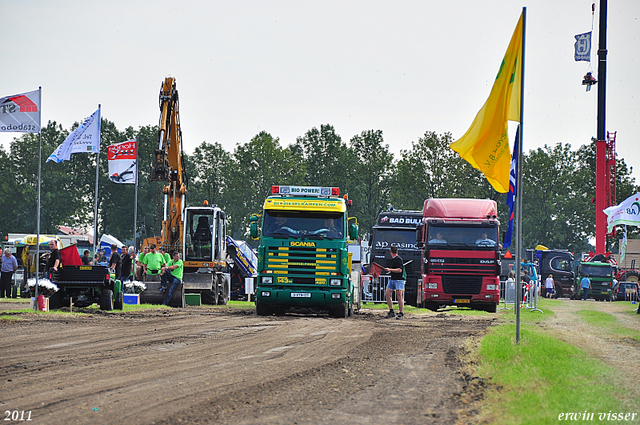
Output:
x=459 y=240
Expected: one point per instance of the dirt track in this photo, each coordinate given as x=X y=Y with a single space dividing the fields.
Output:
x=229 y=366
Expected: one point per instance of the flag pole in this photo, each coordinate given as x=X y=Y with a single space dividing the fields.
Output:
x=95 y=208
x=518 y=217
x=37 y=259
x=135 y=200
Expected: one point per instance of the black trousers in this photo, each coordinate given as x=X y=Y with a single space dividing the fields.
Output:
x=5 y=284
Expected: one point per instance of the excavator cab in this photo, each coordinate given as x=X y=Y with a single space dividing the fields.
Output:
x=204 y=229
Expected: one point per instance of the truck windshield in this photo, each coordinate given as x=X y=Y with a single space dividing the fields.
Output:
x=465 y=236
x=310 y=224
x=404 y=239
x=198 y=236
x=596 y=271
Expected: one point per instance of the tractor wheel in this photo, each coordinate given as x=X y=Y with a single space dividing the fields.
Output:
x=631 y=276
x=106 y=300
x=118 y=304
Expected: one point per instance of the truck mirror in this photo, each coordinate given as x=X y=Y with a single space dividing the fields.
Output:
x=419 y=228
x=253 y=218
x=253 y=229
x=353 y=232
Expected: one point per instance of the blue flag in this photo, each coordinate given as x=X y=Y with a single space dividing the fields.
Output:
x=511 y=196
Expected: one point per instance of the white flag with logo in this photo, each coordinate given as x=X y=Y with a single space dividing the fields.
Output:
x=628 y=212
x=20 y=112
x=123 y=164
x=85 y=138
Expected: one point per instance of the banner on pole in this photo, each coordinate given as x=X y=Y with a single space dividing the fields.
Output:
x=486 y=144
x=85 y=138
x=123 y=164
x=628 y=212
x=20 y=113
x=583 y=47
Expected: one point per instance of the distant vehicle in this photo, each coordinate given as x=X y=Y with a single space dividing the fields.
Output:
x=559 y=263
x=626 y=291
x=601 y=276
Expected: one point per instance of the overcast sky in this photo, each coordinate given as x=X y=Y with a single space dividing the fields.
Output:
x=286 y=66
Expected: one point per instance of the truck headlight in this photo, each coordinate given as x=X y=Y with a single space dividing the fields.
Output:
x=433 y=286
x=267 y=279
x=335 y=282
x=265 y=293
x=335 y=296
x=492 y=287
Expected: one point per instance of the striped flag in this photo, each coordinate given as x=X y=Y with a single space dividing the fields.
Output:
x=511 y=196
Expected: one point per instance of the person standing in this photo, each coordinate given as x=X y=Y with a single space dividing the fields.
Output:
x=172 y=276
x=396 y=283
x=585 y=284
x=548 y=286
x=55 y=259
x=165 y=254
x=115 y=261
x=139 y=265
x=127 y=262
x=9 y=267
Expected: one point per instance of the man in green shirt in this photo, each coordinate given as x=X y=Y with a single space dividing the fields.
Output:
x=172 y=275
x=153 y=262
x=166 y=255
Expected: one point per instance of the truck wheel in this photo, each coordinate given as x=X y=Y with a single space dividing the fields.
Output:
x=431 y=306
x=106 y=300
x=223 y=295
x=492 y=308
x=557 y=293
x=55 y=301
x=631 y=276
x=262 y=310
x=118 y=304
x=340 y=312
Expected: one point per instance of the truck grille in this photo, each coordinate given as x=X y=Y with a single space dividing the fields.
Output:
x=461 y=284
x=301 y=265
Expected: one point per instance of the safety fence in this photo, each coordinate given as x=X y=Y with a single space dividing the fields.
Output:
x=529 y=299
x=373 y=289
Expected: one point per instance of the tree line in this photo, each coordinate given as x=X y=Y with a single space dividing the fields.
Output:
x=558 y=182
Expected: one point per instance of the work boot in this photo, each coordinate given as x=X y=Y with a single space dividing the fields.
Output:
x=390 y=315
x=400 y=316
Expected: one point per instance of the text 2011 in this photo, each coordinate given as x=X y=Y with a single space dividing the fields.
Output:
x=17 y=415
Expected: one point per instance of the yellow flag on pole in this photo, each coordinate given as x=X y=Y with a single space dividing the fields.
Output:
x=486 y=144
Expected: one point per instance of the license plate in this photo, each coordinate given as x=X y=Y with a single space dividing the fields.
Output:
x=301 y=295
x=461 y=301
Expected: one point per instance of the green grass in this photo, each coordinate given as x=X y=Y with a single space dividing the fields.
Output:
x=542 y=377
x=608 y=323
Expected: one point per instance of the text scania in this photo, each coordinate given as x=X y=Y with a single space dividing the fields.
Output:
x=300 y=243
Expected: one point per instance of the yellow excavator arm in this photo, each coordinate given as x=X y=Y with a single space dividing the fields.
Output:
x=169 y=165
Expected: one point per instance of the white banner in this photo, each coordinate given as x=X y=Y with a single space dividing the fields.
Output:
x=123 y=164
x=85 y=138
x=628 y=212
x=20 y=113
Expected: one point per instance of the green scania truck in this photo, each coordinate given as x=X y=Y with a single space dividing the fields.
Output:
x=303 y=258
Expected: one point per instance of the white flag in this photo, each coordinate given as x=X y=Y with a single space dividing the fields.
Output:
x=123 y=164
x=85 y=138
x=628 y=212
x=20 y=112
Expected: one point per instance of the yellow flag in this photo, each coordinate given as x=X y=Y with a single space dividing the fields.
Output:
x=486 y=144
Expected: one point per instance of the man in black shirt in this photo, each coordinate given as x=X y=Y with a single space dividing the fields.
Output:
x=396 y=283
x=127 y=261
x=115 y=262
x=55 y=259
